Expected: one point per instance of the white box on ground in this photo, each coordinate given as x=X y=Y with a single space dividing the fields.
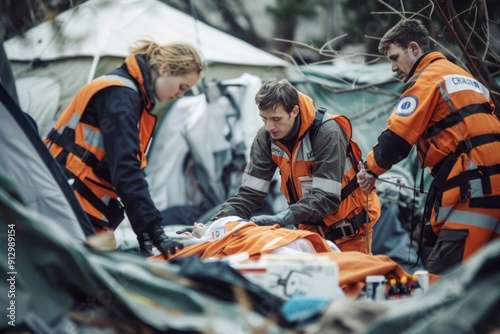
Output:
x=288 y=276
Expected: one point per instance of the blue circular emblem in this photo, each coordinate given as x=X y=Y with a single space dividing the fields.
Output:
x=406 y=105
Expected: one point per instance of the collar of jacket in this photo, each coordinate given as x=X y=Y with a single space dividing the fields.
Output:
x=307 y=113
x=137 y=67
x=425 y=60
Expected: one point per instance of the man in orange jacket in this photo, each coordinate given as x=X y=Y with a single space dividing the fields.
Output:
x=317 y=160
x=449 y=115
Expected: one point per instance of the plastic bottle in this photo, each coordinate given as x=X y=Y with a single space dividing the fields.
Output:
x=404 y=289
x=393 y=292
x=423 y=279
x=416 y=288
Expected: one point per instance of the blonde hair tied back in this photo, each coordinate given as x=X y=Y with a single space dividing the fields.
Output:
x=180 y=57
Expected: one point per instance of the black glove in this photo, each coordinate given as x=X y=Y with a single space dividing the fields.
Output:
x=163 y=243
x=156 y=237
x=145 y=245
x=283 y=218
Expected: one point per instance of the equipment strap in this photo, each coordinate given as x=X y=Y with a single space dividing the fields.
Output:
x=457 y=117
x=348 y=228
x=69 y=145
x=353 y=184
x=114 y=215
x=349 y=188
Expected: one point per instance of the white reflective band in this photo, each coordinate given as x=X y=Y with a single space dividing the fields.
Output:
x=93 y=137
x=75 y=118
x=255 y=183
x=476 y=219
x=126 y=82
x=148 y=146
x=457 y=83
x=443 y=213
x=305 y=152
x=476 y=188
x=328 y=186
x=106 y=198
x=278 y=151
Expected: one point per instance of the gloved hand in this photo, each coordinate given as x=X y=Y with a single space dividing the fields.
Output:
x=155 y=236
x=283 y=218
x=145 y=245
x=366 y=180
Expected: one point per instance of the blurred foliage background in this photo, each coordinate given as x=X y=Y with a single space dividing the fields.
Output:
x=316 y=31
x=362 y=21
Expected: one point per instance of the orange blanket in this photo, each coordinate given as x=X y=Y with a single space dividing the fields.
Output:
x=258 y=240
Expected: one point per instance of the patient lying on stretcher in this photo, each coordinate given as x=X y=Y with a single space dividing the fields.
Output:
x=243 y=236
x=233 y=235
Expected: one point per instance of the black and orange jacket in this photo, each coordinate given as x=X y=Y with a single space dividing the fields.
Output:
x=444 y=111
x=323 y=159
x=102 y=139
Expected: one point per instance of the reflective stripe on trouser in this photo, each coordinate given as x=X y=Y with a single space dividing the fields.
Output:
x=464 y=232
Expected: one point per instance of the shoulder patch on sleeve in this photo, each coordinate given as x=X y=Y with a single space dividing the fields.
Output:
x=406 y=105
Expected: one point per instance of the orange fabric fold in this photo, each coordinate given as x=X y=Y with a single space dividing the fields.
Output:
x=250 y=238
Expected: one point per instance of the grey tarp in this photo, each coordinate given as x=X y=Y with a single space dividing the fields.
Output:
x=56 y=277
x=364 y=93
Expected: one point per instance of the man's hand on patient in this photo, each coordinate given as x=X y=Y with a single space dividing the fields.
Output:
x=283 y=218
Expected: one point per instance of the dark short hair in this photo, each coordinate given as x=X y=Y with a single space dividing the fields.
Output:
x=274 y=93
x=405 y=32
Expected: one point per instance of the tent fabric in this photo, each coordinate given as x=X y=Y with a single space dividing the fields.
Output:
x=365 y=94
x=57 y=277
x=181 y=138
x=94 y=38
x=47 y=88
x=41 y=184
x=108 y=28
x=6 y=77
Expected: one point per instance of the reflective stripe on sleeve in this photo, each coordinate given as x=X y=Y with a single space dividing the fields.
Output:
x=326 y=185
x=255 y=183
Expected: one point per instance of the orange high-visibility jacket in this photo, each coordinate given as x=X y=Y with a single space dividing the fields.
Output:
x=302 y=163
x=82 y=143
x=445 y=112
x=325 y=167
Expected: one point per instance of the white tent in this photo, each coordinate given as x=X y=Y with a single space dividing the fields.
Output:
x=185 y=129
x=94 y=37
